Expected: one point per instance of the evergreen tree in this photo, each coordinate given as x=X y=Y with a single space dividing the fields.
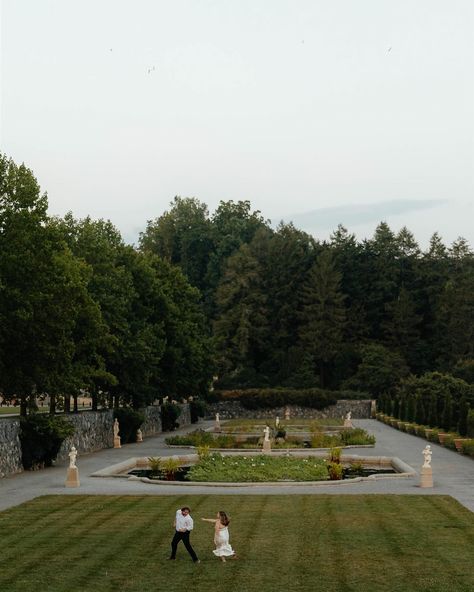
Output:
x=463 y=414
x=241 y=327
x=323 y=314
x=447 y=420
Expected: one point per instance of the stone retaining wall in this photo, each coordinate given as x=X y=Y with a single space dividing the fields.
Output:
x=233 y=409
x=10 y=450
x=93 y=432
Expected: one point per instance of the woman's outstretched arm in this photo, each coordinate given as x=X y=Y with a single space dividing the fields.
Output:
x=209 y=519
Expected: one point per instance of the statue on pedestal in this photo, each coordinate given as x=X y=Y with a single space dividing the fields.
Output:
x=72 y=458
x=427 y=453
x=117 y=443
x=72 y=478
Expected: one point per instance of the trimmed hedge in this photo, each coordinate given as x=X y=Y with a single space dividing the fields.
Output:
x=197 y=409
x=169 y=415
x=41 y=437
x=129 y=422
x=314 y=398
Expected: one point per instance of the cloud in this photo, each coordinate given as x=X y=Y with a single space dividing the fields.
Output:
x=359 y=214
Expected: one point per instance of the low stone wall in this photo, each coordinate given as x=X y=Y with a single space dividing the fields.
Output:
x=10 y=450
x=152 y=423
x=233 y=409
x=93 y=431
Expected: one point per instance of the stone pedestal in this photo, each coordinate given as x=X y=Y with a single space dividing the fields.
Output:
x=117 y=442
x=348 y=424
x=267 y=446
x=426 y=477
x=72 y=479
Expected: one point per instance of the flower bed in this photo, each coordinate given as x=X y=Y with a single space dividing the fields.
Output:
x=352 y=437
x=218 y=468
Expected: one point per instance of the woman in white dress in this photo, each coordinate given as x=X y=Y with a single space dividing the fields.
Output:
x=221 y=536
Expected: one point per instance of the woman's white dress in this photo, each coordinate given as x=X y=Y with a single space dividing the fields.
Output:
x=221 y=540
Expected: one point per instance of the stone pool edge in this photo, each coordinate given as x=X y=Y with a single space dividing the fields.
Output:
x=117 y=470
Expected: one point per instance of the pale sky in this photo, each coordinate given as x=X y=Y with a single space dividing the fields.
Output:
x=319 y=111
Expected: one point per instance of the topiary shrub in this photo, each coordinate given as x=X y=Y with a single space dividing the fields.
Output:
x=197 y=409
x=129 y=421
x=470 y=423
x=169 y=414
x=41 y=437
x=315 y=398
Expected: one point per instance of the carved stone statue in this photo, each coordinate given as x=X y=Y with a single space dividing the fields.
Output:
x=427 y=453
x=348 y=420
x=72 y=458
x=287 y=413
x=72 y=478
x=117 y=443
x=277 y=421
x=266 y=432
x=217 y=425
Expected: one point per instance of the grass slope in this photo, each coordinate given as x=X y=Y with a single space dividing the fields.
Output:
x=366 y=543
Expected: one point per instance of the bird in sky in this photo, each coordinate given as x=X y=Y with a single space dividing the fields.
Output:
x=389 y=49
x=150 y=70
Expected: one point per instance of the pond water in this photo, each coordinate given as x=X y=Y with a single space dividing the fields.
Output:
x=179 y=475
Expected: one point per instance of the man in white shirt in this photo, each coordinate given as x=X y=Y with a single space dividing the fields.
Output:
x=183 y=525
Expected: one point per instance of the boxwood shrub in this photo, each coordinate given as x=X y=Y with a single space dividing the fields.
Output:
x=41 y=437
x=315 y=398
x=129 y=421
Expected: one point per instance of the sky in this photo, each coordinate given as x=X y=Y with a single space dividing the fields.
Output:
x=317 y=112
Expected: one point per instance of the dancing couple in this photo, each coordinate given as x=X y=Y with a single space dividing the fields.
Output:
x=184 y=524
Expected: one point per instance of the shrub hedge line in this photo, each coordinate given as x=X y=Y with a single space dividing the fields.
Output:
x=314 y=398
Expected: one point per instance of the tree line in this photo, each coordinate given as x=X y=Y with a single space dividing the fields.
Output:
x=82 y=312
x=221 y=295
x=289 y=310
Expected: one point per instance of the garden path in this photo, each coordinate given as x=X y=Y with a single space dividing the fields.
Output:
x=453 y=473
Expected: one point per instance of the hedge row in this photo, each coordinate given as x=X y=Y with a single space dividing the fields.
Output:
x=314 y=398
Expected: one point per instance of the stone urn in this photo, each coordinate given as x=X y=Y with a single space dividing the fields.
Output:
x=428 y=432
x=442 y=437
x=458 y=443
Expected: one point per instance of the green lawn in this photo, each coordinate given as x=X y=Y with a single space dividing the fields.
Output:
x=313 y=543
x=16 y=410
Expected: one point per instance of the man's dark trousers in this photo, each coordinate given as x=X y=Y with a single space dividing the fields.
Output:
x=182 y=536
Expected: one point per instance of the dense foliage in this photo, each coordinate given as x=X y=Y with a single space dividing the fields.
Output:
x=223 y=298
x=129 y=422
x=288 y=310
x=169 y=416
x=434 y=399
x=277 y=397
x=41 y=437
x=81 y=312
